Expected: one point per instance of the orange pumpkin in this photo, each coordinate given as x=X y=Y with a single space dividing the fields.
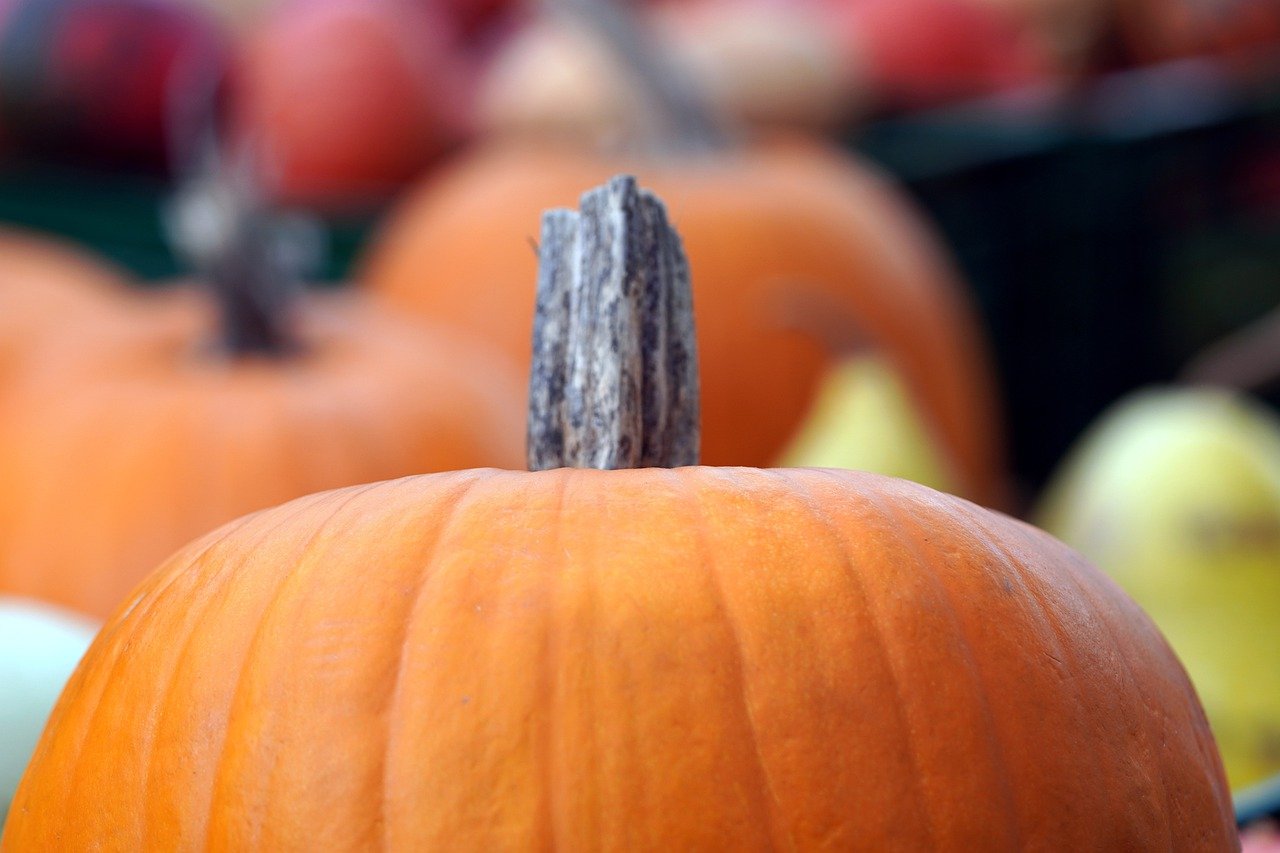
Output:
x=653 y=659
x=116 y=453
x=793 y=245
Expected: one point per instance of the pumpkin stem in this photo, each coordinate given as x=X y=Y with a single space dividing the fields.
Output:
x=614 y=382
x=682 y=116
x=238 y=247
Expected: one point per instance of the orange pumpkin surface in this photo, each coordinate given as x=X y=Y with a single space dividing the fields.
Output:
x=115 y=451
x=691 y=659
x=791 y=246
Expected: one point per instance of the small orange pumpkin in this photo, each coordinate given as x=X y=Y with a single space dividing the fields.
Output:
x=793 y=245
x=160 y=440
x=697 y=658
x=131 y=433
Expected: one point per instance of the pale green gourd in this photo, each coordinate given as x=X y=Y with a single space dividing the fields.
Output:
x=863 y=418
x=40 y=645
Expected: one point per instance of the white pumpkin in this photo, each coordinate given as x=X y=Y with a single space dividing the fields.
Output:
x=40 y=645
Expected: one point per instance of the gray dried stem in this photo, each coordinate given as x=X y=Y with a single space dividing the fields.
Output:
x=614 y=382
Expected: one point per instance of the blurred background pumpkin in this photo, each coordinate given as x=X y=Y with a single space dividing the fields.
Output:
x=174 y=411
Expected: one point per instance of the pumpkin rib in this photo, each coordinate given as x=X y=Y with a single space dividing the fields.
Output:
x=1121 y=645
x=1098 y=615
x=909 y=536
x=1195 y=711
x=1044 y=606
x=1102 y=607
x=273 y=600
x=118 y=655
x=825 y=523
x=551 y=653
x=187 y=643
x=454 y=499
x=265 y=602
x=1042 y=611
x=219 y=582
x=1208 y=746
x=687 y=489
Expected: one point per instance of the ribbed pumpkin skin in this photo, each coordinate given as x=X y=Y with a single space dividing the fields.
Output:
x=138 y=439
x=728 y=659
x=770 y=231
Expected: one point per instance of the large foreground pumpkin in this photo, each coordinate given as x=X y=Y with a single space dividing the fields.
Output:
x=794 y=246
x=699 y=658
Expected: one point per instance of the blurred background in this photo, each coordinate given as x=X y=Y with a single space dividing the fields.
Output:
x=1098 y=180
x=1106 y=173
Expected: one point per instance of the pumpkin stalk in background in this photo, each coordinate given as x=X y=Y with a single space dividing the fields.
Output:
x=242 y=251
x=645 y=658
x=766 y=223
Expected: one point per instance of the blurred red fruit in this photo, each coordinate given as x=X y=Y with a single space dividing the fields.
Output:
x=1154 y=30
x=924 y=52
x=347 y=99
x=96 y=78
x=473 y=17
